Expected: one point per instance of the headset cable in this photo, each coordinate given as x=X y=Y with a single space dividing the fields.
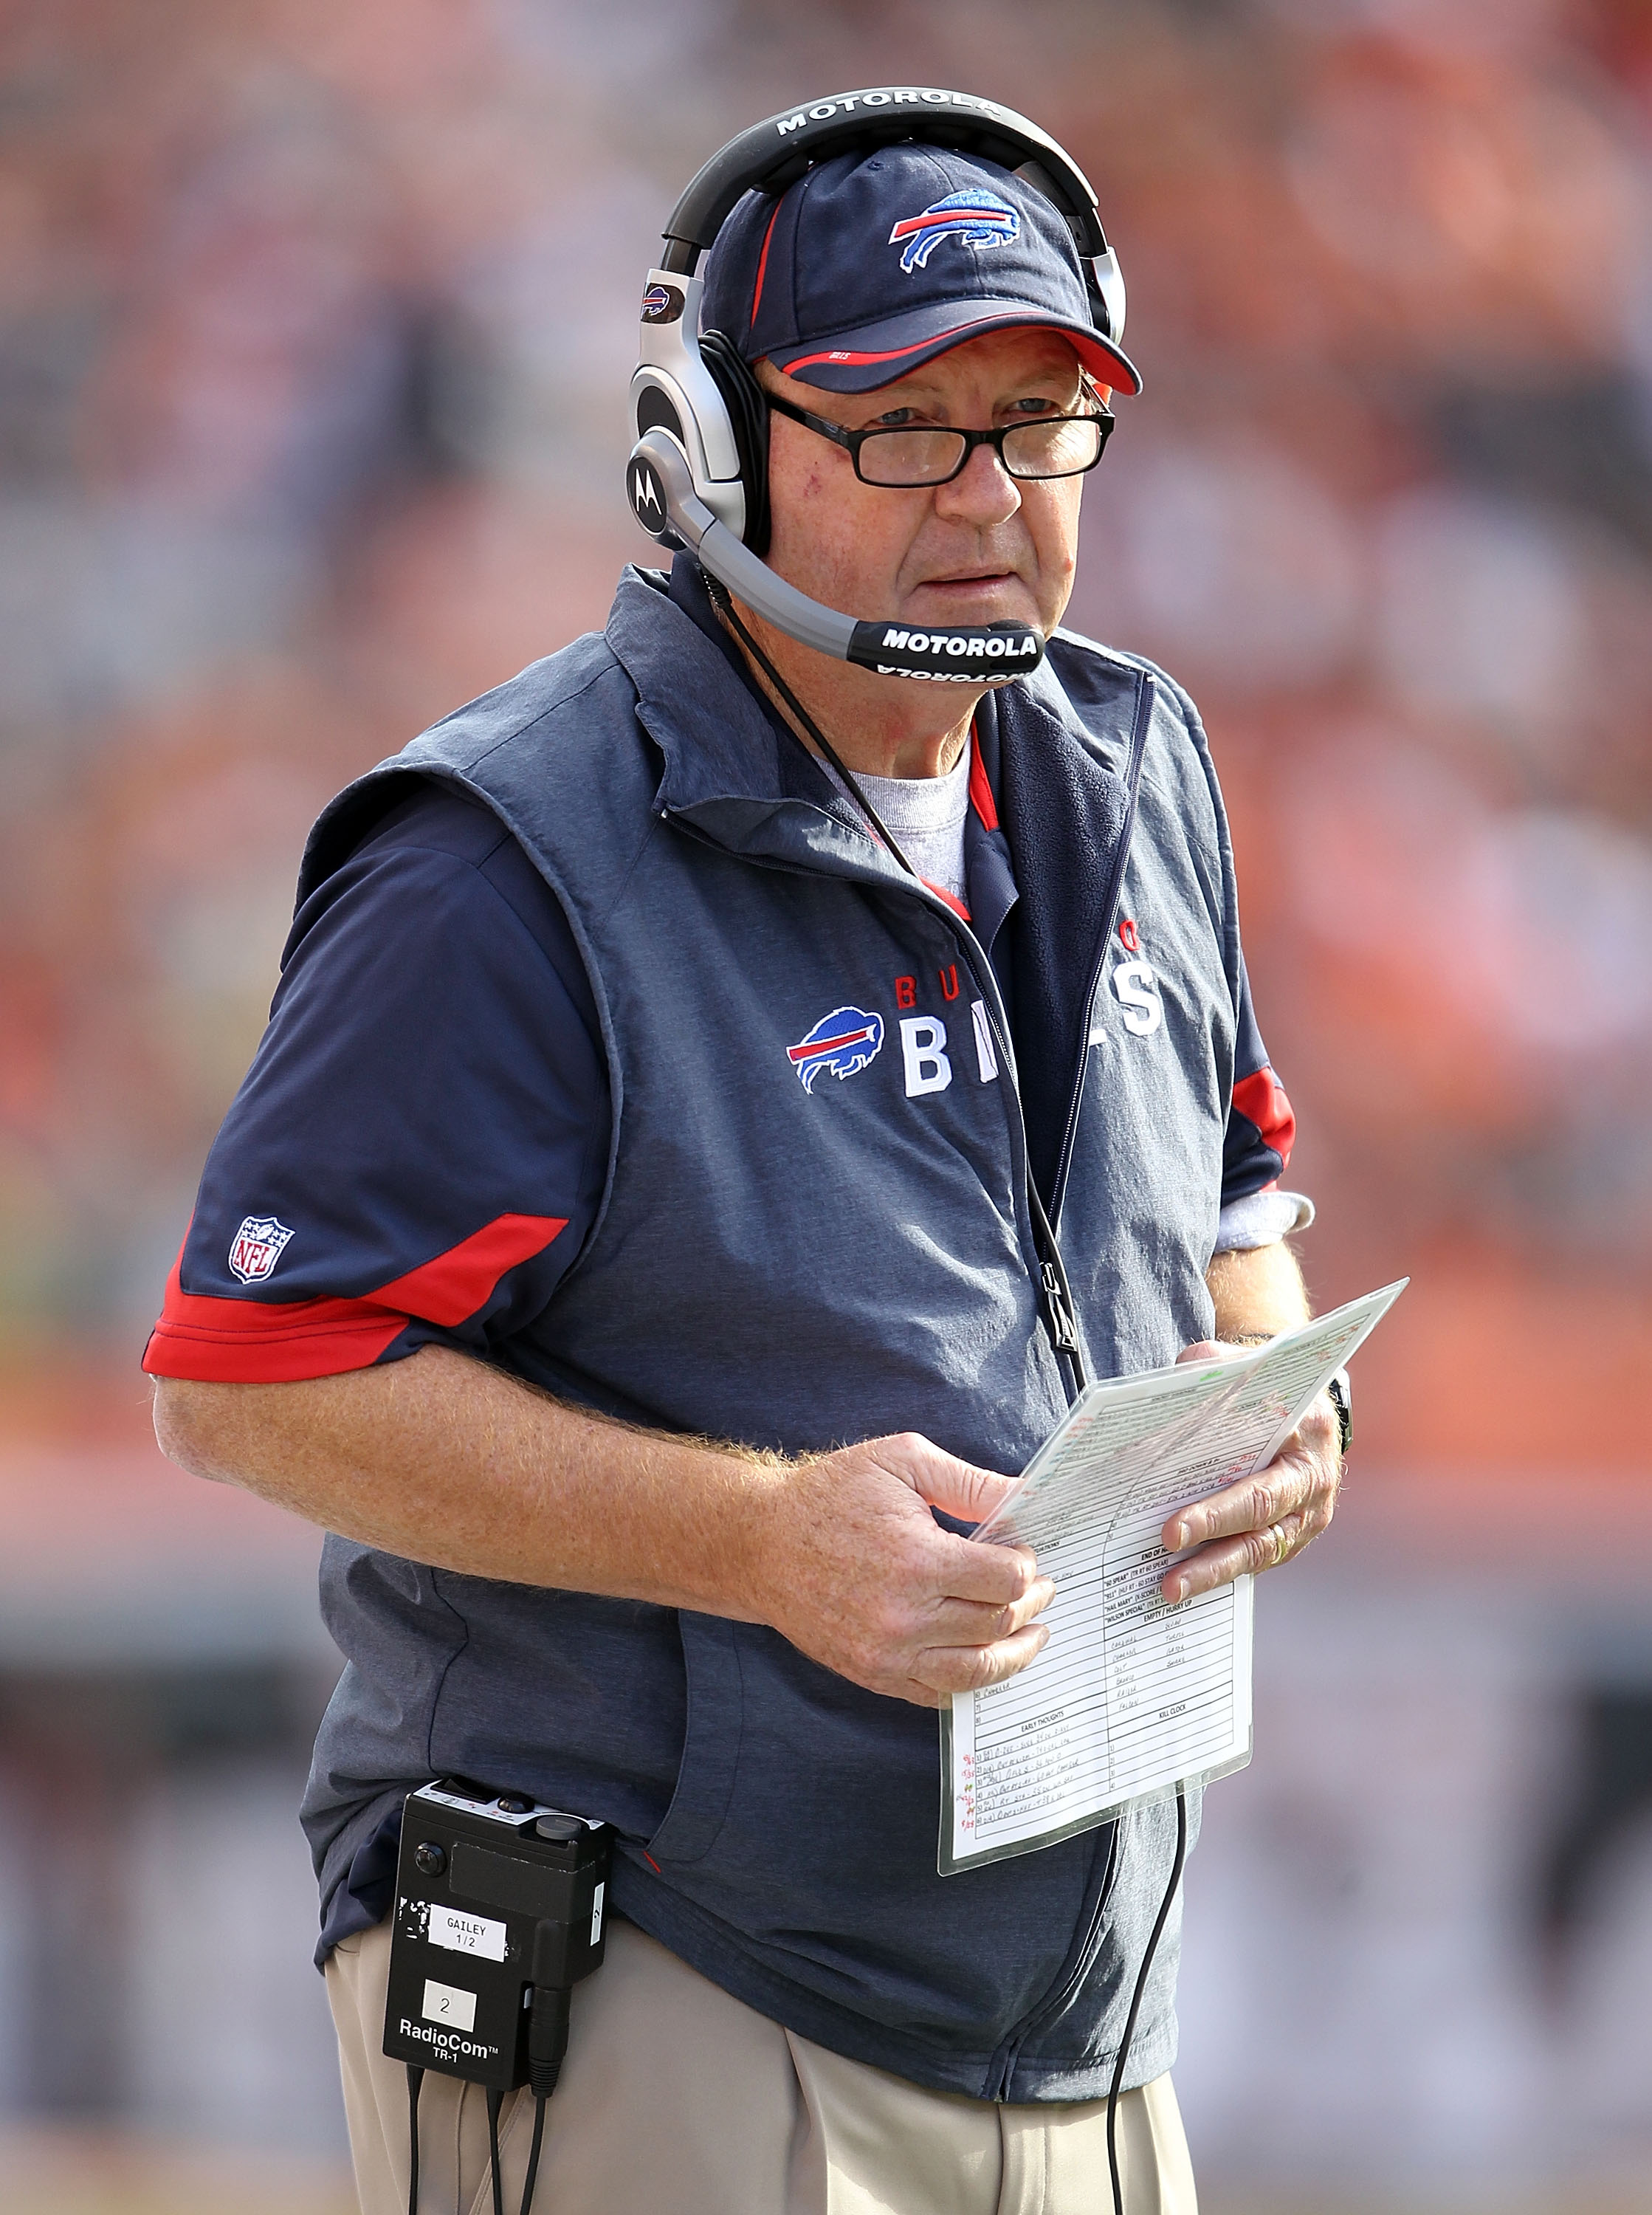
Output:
x=1060 y=1311
x=415 y=2085
x=1136 y=1997
x=718 y=593
x=1059 y=1299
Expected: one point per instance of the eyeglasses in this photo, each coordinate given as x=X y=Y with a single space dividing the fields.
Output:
x=1042 y=446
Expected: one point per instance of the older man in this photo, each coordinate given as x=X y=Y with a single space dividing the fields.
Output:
x=623 y=1243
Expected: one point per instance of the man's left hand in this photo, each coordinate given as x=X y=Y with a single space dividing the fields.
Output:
x=1264 y=1520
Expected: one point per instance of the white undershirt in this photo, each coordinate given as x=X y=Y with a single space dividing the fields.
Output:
x=926 y=816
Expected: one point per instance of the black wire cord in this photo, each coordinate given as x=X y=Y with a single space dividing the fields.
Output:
x=532 y=2175
x=495 y=2101
x=1064 y=1329
x=1058 y=1295
x=717 y=593
x=1135 y=1999
x=416 y=2076
x=415 y=2085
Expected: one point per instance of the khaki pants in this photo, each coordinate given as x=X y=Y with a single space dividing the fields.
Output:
x=678 y=2100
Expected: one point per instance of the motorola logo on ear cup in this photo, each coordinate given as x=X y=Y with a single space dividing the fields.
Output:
x=646 y=489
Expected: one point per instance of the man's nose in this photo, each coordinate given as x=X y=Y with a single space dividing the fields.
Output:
x=982 y=492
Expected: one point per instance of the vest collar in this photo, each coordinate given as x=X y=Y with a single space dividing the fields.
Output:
x=730 y=773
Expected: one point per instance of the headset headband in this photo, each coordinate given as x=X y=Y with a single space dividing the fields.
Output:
x=772 y=155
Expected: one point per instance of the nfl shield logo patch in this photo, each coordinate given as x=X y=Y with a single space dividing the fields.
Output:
x=257 y=1246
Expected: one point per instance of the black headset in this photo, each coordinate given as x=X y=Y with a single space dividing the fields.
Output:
x=698 y=474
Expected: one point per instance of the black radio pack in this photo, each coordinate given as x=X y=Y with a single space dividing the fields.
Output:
x=498 y=1914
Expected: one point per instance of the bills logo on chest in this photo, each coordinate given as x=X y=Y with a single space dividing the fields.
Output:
x=848 y=1041
x=842 y=1044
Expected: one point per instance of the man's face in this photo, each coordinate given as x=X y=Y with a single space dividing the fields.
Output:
x=986 y=548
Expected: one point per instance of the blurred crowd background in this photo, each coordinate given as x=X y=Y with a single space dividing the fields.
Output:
x=316 y=324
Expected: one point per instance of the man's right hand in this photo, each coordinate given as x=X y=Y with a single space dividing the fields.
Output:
x=850 y=1565
x=442 y=1459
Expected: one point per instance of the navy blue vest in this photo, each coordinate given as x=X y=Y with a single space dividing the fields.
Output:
x=795 y=1266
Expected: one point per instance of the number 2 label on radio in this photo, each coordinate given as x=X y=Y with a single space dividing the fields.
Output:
x=448 y=2003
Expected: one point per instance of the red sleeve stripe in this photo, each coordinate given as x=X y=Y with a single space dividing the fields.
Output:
x=254 y=1342
x=456 y=1284
x=280 y=1341
x=1261 y=1099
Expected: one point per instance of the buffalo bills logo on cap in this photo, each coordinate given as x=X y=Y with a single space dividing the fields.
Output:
x=976 y=219
x=843 y=1042
x=257 y=1246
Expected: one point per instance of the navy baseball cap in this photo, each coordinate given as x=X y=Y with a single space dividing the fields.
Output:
x=873 y=263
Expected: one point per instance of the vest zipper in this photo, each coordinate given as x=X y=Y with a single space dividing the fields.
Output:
x=1053 y=1299
x=1049 y=1278
x=1049 y=1281
x=1061 y=1328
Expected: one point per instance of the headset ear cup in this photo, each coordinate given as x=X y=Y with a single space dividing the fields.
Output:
x=743 y=396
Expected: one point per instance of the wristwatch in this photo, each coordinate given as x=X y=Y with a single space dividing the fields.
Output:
x=1341 y=1399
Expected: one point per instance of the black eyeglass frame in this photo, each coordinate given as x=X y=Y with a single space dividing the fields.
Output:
x=852 y=441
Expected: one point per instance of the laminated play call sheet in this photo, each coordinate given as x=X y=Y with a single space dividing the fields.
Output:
x=1131 y=1696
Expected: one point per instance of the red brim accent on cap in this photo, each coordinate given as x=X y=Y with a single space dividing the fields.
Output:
x=875 y=356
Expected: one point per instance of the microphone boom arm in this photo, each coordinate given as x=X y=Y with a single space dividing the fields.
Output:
x=664 y=501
